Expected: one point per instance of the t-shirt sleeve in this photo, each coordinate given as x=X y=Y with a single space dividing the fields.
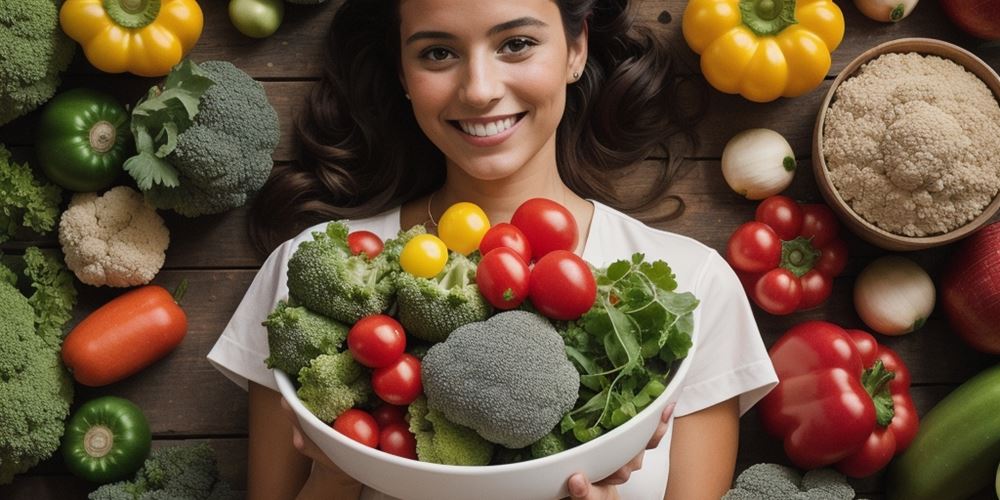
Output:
x=729 y=358
x=242 y=347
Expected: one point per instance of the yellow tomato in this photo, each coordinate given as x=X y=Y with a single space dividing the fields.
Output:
x=144 y=37
x=764 y=49
x=424 y=256
x=462 y=227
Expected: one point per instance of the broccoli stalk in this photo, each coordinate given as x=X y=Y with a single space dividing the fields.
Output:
x=296 y=335
x=766 y=481
x=332 y=384
x=430 y=309
x=175 y=472
x=443 y=442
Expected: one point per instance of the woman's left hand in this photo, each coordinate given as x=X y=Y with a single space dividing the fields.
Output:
x=606 y=489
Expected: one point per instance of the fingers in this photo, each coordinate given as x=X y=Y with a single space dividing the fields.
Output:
x=623 y=474
x=661 y=429
x=580 y=488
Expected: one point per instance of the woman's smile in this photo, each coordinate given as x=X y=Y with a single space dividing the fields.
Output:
x=488 y=131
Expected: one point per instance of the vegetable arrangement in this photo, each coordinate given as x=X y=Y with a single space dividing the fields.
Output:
x=449 y=327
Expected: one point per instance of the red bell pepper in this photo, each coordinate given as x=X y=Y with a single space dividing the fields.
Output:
x=841 y=399
x=788 y=256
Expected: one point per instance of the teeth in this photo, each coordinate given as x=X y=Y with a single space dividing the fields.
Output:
x=488 y=129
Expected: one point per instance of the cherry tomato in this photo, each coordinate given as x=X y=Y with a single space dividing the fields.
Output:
x=562 y=286
x=816 y=287
x=502 y=277
x=754 y=247
x=397 y=439
x=424 y=256
x=778 y=291
x=783 y=214
x=359 y=426
x=819 y=224
x=506 y=235
x=548 y=226
x=376 y=341
x=398 y=383
x=387 y=414
x=365 y=242
x=462 y=227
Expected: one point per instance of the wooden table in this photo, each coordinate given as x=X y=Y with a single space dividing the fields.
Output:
x=186 y=399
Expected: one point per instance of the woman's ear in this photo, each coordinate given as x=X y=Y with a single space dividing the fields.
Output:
x=578 y=55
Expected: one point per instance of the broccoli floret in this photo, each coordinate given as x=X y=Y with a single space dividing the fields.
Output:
x=222 y=156
x=507 y=377
x=24 y=200
x=332 y=384
x=296 y=335
x=430 y=309
x=33 y=51
x=443 y=442
x=767 y=481
x=324 y=276
x=175 y=472
x=35 y=389
x=550 y=444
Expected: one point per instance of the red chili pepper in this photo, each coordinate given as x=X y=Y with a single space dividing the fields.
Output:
x=787 y=257
x=841 y=399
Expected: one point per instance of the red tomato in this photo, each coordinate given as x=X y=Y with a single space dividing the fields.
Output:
x=359 y=426
x=782 y=214
x=548 y=226
x=365 y=241
x=376 y=341
x=562 y=286
x=816 y=287
x=387 y=414
x=819 y=224
x=398 y=440
x=398 y=383
x=754 y=247
x=502 y=277
x=506 y=235
x=778 y=291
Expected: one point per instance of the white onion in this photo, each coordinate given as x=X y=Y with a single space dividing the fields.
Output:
x=758 y=163
x=893 y=295
x=887 y=11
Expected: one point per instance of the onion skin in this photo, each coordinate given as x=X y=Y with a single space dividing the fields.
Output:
x=979 y=18
x=886 y=11
x=970 y=290
x=893 y=295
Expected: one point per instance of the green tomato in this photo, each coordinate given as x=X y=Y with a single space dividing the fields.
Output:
x=83 y=139
x=256 y=18
x=106 y=440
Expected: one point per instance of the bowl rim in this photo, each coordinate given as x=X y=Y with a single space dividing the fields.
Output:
x=287 y=390
x=864 y=228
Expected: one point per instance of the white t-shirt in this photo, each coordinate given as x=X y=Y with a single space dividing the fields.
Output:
x=728 y=358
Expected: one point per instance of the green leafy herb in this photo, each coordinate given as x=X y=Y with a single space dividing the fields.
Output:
x=24 y=200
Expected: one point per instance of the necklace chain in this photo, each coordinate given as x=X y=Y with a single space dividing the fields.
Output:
x=430 y=217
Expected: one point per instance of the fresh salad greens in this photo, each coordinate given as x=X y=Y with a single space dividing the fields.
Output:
x=625 y=346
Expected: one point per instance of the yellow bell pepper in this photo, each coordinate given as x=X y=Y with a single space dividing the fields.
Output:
x=764 y=49
x=144 y=37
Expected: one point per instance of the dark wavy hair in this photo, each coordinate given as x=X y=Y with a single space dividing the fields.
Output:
x=362 y=152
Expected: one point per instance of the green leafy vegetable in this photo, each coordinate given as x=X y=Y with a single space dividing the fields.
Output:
x=24 y=200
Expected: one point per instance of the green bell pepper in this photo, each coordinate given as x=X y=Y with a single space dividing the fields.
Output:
x=106 y=440
x=83 y=139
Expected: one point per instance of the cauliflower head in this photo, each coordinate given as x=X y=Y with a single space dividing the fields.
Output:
x=113 y=240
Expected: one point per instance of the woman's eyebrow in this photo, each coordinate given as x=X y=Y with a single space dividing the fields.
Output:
x=509 y=25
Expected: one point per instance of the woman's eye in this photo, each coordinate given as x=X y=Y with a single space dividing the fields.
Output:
x=517 y=45
x=437 y=54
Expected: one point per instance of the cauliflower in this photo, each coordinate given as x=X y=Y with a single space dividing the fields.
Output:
x=115 y=239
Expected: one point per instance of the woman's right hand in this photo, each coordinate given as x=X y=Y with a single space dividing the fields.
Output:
x=326 y=478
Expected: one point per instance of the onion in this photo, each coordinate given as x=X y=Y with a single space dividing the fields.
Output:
x=893 y=295
x=758 y=163
x=970 y=290
x=887 y=11
x=979 y=18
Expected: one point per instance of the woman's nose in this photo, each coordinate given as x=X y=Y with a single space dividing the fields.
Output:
x=483 y=83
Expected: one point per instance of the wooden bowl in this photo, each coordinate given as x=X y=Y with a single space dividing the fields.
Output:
x=854 y=221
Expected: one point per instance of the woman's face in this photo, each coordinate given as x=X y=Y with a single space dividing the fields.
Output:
x=487 y=79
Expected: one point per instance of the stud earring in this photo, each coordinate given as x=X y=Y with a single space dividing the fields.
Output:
x=407 y=96
x=576 y=75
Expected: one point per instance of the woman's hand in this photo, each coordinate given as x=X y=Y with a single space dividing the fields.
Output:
x=326 y=478
x=606 y=489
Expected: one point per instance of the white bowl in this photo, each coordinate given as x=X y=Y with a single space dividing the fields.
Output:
x=541 y=479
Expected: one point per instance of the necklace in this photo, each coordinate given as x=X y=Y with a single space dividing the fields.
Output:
x=430 y=217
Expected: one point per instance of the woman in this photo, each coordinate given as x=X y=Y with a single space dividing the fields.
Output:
x=429 y=102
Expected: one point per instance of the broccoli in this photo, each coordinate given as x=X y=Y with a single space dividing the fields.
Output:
x=35 y=389
x=296 y=335
x=443 y=442
x=507 y=377
x=174 y=472
x=324 y=276
x=24 y=200
x=550 y=444
x=209 y=160
x=766 y=481
x=430 y=309
x=332 y=384
x=33 y=51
